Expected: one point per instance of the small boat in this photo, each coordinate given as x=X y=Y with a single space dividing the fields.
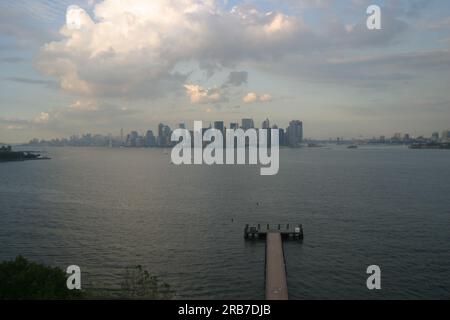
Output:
x=353 y=146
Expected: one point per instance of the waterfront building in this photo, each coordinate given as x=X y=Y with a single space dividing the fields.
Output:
x=295 y=133
x=234 y=126
x=247 y=124
x=218 y=125
x=150 y=140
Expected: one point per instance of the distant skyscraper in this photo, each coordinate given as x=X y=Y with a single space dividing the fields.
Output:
x=295 y=133
x=167 y=132
x=247 y=124
x=160 y=141
x=182 y=126
x=150 y=139
x=281 y=134
x=234 y=126
x=266 y=124
x=160 y=130
x=133 y=137
x=219 y=126
x=397 y=136
x=435 y=136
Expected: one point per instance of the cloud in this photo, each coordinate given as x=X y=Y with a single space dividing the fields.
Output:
x=236 y=78
x=440 y=24
x=132 y=46
x=265 y=98
x=23 y=80
x=253 y=97
x=42 y=118
x=250 y=97
x=198 y=94
x=81 y=112
x=376 y=70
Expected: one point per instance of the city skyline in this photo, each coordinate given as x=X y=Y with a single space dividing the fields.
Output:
x=292 y=135
x=67 y=71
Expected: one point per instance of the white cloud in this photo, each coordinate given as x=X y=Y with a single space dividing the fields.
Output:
x=132 y=47
x=265 y=98
x=253 y=97
x=198 y=94
x=42 y=118
x=250 y=97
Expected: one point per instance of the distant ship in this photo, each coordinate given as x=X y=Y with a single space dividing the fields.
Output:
x=6 y=154
x=353 y=146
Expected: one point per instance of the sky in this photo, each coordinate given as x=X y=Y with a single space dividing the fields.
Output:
x=72 y=67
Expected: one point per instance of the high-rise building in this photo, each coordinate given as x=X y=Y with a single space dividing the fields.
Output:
x=234 y=126
x=167 y=132
x=397 y=136
x=406 y=138
x=281 y=135
x=295 y=133
x=161 y=129
x=164 y=134
x=445 y=136
x=182 y=126
x=247 y=124
x=218 y=125
x=266 y=124
x=150 y=140
x=132 y=139
x=435 y=136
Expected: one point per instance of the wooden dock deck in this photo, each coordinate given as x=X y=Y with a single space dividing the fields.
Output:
x=287 y=231
x=276 y=283
x=275 y=269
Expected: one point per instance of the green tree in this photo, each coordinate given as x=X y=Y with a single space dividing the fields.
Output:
x=24 y=280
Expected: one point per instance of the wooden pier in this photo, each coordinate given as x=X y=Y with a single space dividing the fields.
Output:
x=286 y=231
x=275 y=269
x=276 y=283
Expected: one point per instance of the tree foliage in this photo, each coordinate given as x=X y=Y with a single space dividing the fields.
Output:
x=24 y=280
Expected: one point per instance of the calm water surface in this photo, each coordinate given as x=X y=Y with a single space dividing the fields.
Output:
x=105 y=209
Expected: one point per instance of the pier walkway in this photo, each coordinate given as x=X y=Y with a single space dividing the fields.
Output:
x=276 y=283
x=275 y=268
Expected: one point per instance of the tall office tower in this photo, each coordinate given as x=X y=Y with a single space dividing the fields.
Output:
x=182 y=126
x=295 y=133
x=247 y=124
x=218 y=125
x=160 y=138
x=406 y=137
x=133 y=139
x=435 y=137
x=397 y=136
x=234 y=125
x=282 y=136
x=121 y=135
x=167 y=132
x=266 y=124
x=150 y=140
